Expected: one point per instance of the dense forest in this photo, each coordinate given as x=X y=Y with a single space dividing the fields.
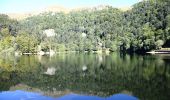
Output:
x=144 y=27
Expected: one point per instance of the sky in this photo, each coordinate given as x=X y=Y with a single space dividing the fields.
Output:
x=21 y=6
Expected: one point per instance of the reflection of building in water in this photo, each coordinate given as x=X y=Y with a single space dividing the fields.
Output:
x=100 y=58
x=50 y=71
x=52 y=53
x=39 y=58
x=84 y=68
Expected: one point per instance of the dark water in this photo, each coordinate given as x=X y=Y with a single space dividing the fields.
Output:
x=145 y=77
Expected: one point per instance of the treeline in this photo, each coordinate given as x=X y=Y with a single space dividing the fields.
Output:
x=7 y=32
x=144 y=27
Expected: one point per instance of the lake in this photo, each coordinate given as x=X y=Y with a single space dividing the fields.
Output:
x=146 y=77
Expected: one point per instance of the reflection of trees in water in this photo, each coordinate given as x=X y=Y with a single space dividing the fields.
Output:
x=146 y=77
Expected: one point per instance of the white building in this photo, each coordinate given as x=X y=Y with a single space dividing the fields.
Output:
x=49 y=32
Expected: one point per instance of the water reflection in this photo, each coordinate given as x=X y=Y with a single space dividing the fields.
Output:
x=146 y=77
x=50 y=71
x=23 y=95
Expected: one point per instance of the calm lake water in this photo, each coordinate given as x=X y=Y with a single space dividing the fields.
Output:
x=146 y=77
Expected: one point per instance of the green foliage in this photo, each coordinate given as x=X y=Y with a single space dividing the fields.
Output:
x=146 y=26
x=26 y=42
x=148 y=23
x=6 y=43
x=80 y=30
x=159 y=44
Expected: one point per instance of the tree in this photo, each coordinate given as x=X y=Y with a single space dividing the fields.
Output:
x=26 y=43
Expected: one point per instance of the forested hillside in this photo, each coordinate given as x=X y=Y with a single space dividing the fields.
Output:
x=7 y=33
x=145 y=27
